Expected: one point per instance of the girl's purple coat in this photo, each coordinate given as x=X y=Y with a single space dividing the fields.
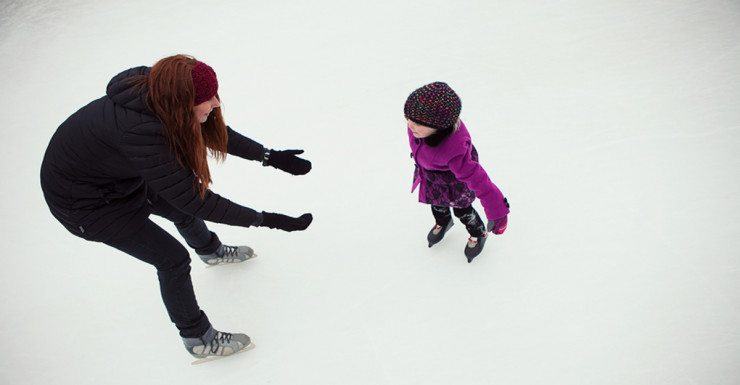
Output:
x=455 y=154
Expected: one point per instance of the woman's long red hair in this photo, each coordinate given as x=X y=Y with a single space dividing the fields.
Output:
x=171 y=96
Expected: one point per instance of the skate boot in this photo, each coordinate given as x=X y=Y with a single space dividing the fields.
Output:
x=437 y=233
x=215 y=344
x=228 y=254
x=475 y=246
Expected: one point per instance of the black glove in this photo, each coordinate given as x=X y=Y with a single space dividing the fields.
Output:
x=284 y=222
x=287 y=161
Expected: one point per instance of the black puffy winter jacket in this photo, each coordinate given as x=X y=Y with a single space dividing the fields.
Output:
x=111 y=156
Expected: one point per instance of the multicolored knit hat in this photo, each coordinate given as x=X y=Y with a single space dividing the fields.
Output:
x=205 y=82
x=434 y=105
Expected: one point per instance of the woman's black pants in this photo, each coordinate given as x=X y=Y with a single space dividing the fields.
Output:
x=157 y=247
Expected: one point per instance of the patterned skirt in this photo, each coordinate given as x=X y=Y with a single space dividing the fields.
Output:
x=442 y=188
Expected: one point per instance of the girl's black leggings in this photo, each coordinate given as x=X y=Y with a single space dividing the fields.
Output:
x=468 y=216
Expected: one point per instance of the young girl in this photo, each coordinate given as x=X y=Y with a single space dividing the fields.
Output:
x=447 y=170
x=142 y=149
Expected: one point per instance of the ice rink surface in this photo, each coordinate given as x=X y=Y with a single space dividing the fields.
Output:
x=613 y=127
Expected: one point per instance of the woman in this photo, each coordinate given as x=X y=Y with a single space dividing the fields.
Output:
x=142 y=149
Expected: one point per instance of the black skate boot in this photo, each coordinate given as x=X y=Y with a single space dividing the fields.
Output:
x=475 y=246
x=437 y=233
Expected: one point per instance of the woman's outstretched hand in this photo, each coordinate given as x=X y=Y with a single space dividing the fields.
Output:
x=286 y=223
x=287 y=161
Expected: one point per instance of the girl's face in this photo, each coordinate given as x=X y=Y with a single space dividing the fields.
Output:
x=204 y=109
x=418 y=130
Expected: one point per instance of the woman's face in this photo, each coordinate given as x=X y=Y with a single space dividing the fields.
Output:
x=418 y=130
x=204 y=109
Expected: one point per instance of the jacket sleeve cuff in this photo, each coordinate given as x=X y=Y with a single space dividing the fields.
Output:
x=258 y=220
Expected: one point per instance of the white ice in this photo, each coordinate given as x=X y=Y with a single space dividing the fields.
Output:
x=613 y=127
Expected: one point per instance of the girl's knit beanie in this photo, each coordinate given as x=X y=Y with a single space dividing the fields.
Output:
x=205 y=82
x=434 y=105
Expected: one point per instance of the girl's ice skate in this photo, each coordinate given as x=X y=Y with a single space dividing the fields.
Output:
x=475 y=246
x=437 y=233
x=228 y=254
x=215 y=344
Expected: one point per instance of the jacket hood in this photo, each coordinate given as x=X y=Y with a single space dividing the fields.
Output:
x=123 y=93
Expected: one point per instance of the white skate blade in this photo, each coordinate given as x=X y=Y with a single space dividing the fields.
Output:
x=231 y=263
x=214 y=358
